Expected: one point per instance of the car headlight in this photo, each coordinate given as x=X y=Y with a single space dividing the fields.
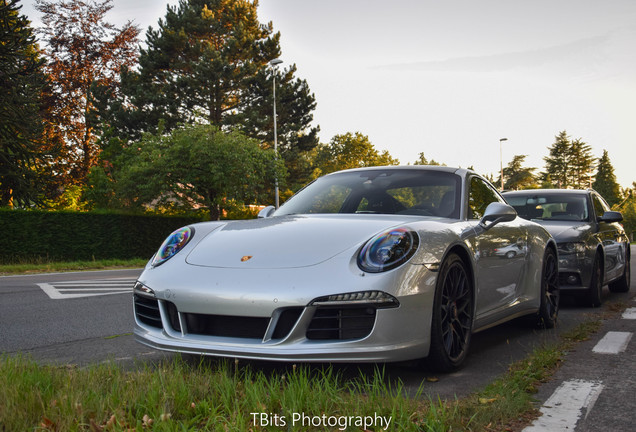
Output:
x=172 y=245
x=571 y=247
x=388 y=250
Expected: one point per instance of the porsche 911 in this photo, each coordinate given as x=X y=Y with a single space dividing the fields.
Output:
x=379 y=264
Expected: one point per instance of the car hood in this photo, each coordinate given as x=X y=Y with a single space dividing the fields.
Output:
x=566 y=231
x=287 y=241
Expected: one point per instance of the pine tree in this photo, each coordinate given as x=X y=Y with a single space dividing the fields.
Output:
x=198 y=63
x=516 y=176
x=570 y=164
x=85 y=52
x=422 y=160
x=557 y=163
x=605 y=182
x=208 y=62
x=21 y=85
x=581 y=163
x=294 y=114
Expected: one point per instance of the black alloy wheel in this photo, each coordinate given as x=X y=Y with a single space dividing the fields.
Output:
x=451 y=329
x=550 y=292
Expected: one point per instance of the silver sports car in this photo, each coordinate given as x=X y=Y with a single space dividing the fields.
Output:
x=364 y=265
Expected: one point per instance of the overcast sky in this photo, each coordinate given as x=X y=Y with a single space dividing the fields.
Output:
x=451 y=78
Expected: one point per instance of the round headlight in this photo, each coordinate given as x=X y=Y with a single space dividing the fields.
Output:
x=388 y=250
x=172 y=245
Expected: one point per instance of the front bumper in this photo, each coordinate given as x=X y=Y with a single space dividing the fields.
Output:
x=575 y=272
x=267 y=315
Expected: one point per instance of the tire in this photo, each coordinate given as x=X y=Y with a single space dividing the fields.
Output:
x=596 y=283
x=550 y=292
x=453 y=309
x=621 y=285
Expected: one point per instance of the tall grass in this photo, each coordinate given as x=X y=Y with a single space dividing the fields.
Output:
x=181 y=395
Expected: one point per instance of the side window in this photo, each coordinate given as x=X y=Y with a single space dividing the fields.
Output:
x=481 y=194
x=599 y=206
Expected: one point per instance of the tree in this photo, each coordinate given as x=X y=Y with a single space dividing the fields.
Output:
x=516 y=176
x=349 y=151
x=199 y=166
x=570 y=164
x=581 y=163
x=605 y=182
x=198 y=63
x=294 y=107
x=628 y=208
x=22 y=81
x=423 y=161
x=208 y=62
x=557 y=163
x=85 y=52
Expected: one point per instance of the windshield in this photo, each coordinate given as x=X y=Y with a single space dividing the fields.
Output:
x=563 y=207
x=409 y=191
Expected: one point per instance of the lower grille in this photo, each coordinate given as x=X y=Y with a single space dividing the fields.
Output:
x=226 y=326
x=286 y=321
x=341 y=323
x=147 y=311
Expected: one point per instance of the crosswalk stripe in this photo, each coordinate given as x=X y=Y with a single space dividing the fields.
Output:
x=87 y=288
x=613 y=343
x=629 y=313
x=565 y=407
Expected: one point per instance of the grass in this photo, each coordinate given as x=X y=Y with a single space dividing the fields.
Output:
x=51 y=267
x=180 y=395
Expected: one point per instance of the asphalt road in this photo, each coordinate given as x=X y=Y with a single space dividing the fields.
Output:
x=58 y=320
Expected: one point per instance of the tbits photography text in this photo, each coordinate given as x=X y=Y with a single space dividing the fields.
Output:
x=303 y=420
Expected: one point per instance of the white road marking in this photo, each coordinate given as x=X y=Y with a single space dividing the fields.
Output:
x=630 y=313
x=564 y=408
x=87 y=288
x=613 y=343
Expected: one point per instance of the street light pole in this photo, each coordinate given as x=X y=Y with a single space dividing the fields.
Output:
x=273 y=64
x=501 y=161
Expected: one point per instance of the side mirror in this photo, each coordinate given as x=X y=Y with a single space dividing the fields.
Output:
x=611 y=216
x=266 y=212
x=495 y=213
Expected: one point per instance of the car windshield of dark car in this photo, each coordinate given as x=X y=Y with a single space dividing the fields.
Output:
x=561 y=207
x=394 y=191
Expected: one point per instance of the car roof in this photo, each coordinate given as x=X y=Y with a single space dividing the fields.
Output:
x=460 y=171
x=549 y=192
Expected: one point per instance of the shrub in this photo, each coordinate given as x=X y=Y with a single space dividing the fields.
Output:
x=31 y=235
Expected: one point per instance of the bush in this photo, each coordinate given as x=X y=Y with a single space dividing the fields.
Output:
x=35 y=235
x=629 y=216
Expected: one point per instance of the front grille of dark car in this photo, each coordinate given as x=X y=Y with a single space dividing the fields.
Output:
x=147 y=310
x=341 y=323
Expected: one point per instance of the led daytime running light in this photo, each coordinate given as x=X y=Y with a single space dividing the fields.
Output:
x=376 y=298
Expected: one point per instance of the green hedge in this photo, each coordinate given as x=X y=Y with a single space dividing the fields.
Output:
x=30 y=235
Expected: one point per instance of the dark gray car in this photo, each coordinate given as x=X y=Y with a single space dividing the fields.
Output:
x=593 y=247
